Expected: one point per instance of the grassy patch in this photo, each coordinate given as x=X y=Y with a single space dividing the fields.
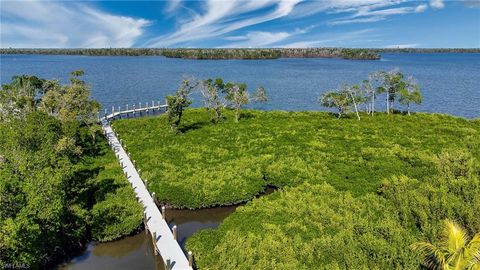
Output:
x=217 y=164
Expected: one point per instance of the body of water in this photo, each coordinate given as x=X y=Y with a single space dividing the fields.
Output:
x=136 y=252
x=450 y=82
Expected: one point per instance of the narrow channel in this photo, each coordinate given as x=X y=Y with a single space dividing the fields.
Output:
x=136 y=252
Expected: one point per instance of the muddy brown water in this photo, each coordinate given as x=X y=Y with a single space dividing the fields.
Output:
x=136 y=252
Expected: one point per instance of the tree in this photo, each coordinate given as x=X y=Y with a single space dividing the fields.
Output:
x=455 y=250
x=353 y=92
x=369 y=94
x=260 y=95
x=21 y=96
x=238 y=96
x=211 y=91
x=177 y=103
x=410 y=94
x=336 y=99
x=391 y=83
x=72 y=102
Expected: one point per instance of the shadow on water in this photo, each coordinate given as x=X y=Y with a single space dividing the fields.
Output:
x=132 y=252
x=136 y=252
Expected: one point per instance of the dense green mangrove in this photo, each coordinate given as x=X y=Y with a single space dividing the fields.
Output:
x=213 y=164
x=209 y=53
x=353 y=194
x=239 y=53
x=60 y=184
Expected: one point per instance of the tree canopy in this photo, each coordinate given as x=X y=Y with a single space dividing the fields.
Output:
x=55 y=177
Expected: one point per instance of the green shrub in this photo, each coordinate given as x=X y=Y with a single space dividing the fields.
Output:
x=211 y=164
x=307 y=227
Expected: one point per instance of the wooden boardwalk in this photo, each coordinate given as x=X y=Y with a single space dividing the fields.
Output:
x=162 y=237
x=132 y=111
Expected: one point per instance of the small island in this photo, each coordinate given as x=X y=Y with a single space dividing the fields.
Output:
x=211 y=53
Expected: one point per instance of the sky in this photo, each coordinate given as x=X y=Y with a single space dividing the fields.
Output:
x=240 y=23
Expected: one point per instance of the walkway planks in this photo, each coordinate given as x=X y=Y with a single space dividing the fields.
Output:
x=166 y=245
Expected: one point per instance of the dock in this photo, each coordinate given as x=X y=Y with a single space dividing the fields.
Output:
x=134 y=111
x=163 y=238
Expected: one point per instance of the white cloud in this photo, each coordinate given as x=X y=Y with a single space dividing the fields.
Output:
x=437 y=4
x=173 y=5
x=403 y=46
x=357 y=20
x=421 y=8
x=366 y=14
x=65 y=24
x=220 y=17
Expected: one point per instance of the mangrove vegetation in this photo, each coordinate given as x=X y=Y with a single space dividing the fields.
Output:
x=60 y=185
x=209 y=53
x=370 y=194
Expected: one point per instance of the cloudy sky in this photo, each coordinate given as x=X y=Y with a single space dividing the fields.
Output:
x=240 y=23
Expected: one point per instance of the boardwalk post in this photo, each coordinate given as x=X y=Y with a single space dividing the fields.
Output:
x=174 y=232
x=163 y=211
x=145 y=221
x=106 y=113
x=190 y=259
x=169 y=264
x=153 y=196
x=134 y=110
x=154 y=239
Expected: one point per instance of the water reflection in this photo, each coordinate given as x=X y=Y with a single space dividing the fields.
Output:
x=132 y=252
x=136 y=252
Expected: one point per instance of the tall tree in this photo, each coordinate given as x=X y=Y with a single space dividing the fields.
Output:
x=21 y=96
x=369 y=94
x=353 y=92
x=211 y=91
x=391 y=83
x=72 y=102
x=238 y=96
x=177 y=103
x=454 y=252
x=410 y=94
x=336 y=99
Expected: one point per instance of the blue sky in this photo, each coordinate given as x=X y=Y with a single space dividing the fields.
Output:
x=240 y=23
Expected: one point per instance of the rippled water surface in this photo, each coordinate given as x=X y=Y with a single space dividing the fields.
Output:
x=450 y=82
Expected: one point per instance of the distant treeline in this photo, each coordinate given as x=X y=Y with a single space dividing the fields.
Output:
x=210 y=53
x=272 y=53
x=428 y=50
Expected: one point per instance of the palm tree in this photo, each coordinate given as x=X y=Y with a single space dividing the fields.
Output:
x=454 y=252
